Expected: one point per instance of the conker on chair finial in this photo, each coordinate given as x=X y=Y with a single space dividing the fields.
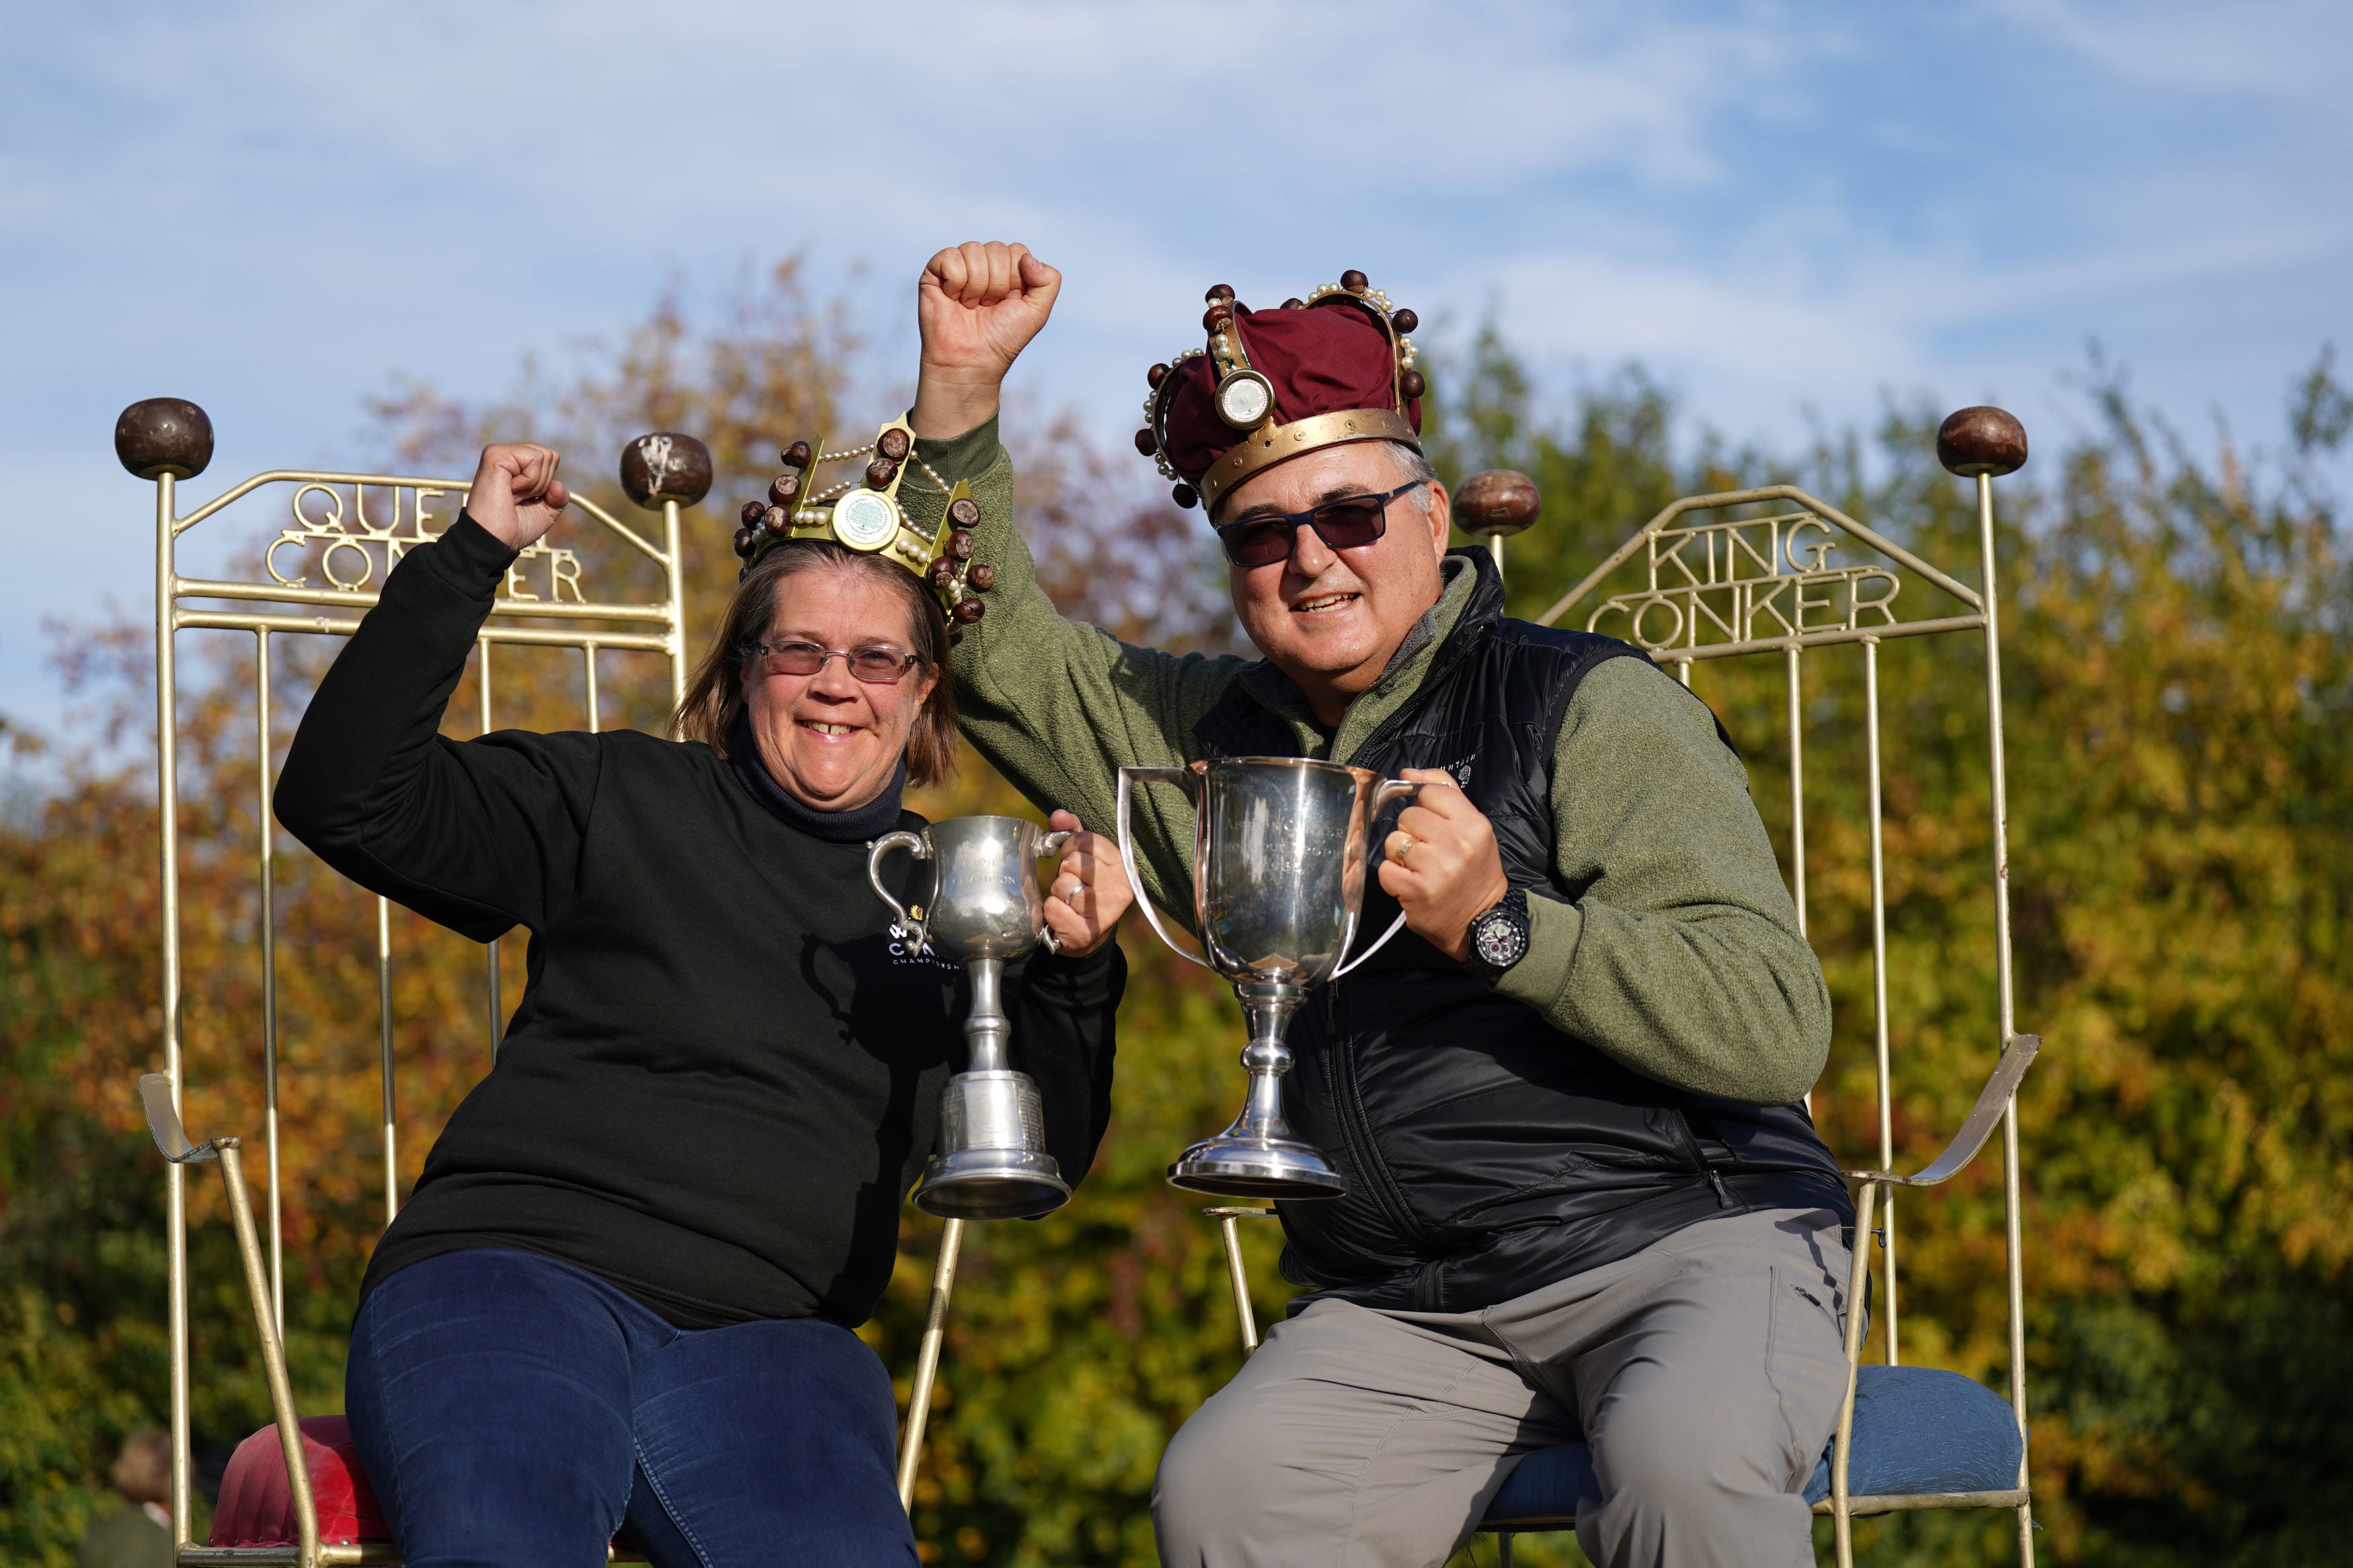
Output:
x=159 y=435
x=666 y=465
x=1497 y=502
x=1982 y=440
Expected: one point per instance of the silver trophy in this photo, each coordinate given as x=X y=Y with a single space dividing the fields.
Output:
x=986 y=908
x=1280 y=848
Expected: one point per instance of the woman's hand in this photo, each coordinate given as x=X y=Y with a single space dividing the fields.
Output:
x=977 y=306
x=1090 y=891
x=1441 y=865
x=515 y=493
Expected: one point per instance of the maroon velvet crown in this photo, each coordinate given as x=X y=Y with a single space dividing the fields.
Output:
x=1330 y=357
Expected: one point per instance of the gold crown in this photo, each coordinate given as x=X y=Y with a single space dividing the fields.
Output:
x=863 y=513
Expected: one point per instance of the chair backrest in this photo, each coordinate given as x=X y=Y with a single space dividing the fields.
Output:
x=311 y=558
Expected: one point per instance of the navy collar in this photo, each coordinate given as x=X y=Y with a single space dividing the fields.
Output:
x=857 y=825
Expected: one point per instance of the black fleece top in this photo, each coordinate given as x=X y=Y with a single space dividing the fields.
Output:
x=723 y=1075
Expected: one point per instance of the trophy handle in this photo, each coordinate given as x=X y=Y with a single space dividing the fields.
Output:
x=1189 y=782
x=909 y=926
x=1384 y=792
x=1051 y=844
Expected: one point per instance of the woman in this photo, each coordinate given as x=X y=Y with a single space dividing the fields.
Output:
x=622 y=1293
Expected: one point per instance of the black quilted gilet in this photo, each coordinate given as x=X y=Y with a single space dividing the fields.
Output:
x=1487 y=1152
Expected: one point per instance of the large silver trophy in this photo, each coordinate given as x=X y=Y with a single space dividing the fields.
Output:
x=985 y=909
x=1280 y=847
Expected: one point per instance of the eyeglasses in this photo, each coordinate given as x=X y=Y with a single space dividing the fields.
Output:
x=874 y=665
x=1343 y=524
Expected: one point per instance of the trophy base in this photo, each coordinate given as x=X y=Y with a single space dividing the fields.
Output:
x=992 y=1183
x=1278 y=1168
x=993 y=1128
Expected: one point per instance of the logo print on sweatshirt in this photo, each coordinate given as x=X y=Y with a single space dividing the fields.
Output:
x=902 y=953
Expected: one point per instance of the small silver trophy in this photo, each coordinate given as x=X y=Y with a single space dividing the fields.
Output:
x=986 y=908
x=1280 y=847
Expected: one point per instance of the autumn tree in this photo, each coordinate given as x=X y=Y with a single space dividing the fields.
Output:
x=2177 y=638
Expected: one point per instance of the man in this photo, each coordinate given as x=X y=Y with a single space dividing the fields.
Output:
x=139 y=1533
x=1584 y=1196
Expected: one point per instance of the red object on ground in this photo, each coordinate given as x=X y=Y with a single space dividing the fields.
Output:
x=256 y=1506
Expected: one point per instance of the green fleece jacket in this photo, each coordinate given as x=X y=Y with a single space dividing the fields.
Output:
x=1680 y=959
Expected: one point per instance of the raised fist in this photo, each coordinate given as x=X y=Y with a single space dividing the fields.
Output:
x=977 y=306
x=515 y=493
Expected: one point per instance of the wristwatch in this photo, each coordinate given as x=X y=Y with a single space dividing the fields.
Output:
x=1499 y=936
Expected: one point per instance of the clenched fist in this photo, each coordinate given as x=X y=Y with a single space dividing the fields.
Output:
x=1441 y=865
x=977 y=306
x=515 y=493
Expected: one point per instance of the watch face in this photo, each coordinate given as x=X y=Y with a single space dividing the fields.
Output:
x=1498 y=941
x=865 y=519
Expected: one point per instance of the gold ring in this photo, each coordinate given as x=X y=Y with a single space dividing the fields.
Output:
x=1409 y=842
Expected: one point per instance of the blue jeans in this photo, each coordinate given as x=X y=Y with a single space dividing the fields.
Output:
x=514 y=1411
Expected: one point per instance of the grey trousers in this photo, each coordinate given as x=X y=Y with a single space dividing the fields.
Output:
x=1706 y=1371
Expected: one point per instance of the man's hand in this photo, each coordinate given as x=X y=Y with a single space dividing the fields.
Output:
x=977 y=306
x=515 y=493
x=1442 y=864
x=1089 y=891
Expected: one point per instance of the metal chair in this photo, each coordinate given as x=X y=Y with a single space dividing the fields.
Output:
x=328 y=529
x=1748 y=572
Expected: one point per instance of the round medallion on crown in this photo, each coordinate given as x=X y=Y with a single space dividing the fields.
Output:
x=865 y=521
x=1244 y=398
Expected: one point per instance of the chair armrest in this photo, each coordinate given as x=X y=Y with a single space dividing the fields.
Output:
x=172 y=1141
x=1992 y=1100
x=164 y=1123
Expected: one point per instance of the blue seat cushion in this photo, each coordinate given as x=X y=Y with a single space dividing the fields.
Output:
x=1546 y=1486
x=1916 y=1429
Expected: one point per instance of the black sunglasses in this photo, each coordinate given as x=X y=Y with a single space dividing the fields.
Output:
x=1342 y=524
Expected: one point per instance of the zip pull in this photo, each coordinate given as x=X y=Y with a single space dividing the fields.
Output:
x=1690 y=1147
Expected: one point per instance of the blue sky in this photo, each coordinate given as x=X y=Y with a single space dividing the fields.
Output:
x=277 y=210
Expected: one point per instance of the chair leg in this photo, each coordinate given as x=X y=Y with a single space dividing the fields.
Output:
x=273 y=1353
x=1503 y=1549
x=1841 y=1519
x=1239 y=1279
x=927 y=1361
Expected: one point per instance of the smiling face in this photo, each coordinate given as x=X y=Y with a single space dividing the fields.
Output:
x=830 y=740
x=1331 y=619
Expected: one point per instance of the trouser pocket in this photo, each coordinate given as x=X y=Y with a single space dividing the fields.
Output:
x=1805 y=1361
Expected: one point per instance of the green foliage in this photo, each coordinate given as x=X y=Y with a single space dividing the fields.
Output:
x=2177 y=652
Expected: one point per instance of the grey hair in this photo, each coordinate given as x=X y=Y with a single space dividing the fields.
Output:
x=1413 y=468
x=1412 y=462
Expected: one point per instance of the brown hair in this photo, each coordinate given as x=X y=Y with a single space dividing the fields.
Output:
x=714 y=698
x=142 y=1470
